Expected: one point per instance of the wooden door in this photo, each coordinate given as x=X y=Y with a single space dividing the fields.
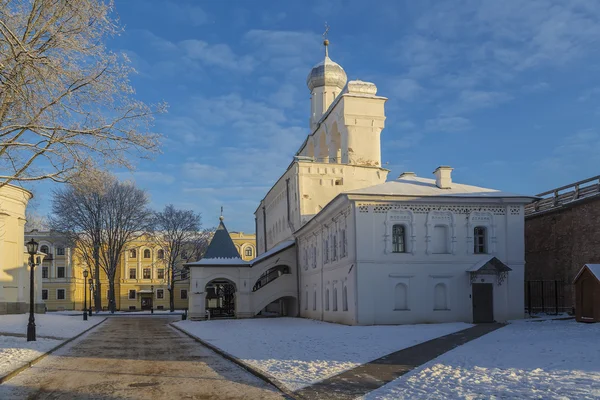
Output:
x=587 y=298
x=483 y=302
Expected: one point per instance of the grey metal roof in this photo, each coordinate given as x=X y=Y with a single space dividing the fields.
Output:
x=221 y=245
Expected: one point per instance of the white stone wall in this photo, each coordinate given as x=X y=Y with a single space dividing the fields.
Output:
x=420 y=269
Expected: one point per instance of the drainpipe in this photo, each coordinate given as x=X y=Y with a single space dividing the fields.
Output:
x=297 y=279
x=265 y=226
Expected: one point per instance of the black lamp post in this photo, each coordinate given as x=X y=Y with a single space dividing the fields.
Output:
x=152 y=300
x=91 y=282
x=85 y=275
x=32 y=248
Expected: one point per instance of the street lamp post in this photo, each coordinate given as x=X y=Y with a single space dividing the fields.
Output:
x=152 y=301
x=91 y=282
x=32 y=248
x=85 y=275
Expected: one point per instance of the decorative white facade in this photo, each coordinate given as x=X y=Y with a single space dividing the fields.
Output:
x=367 y=251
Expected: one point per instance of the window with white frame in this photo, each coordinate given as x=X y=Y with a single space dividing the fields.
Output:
x=132 y=253
x=335 y=247
x=480 y=240
x=60 y=272
x=147 y=253
x=132 y=273
x=60 y=251
x=147 y=273
x=183 y=294
x=44 y=294
x=398 y=239
x=248 y=251
x=160 y=254
x=44 y=249
x=160 y=273
x=326 y=251
x=45 y=272
x=160 y=293
x=327 y=300
x=345 y=298
x=60 y=294
x=131 y=295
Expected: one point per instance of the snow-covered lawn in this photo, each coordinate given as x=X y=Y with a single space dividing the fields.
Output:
x=61 y=326
x=16 y=351
x=542 y=360
x=299 y=352
x=121 y=313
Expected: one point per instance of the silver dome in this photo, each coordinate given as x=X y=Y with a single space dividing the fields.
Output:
x=326 y=73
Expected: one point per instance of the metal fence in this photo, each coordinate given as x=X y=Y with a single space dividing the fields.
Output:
x=545 y=297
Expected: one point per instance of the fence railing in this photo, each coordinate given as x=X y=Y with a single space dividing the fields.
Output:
x=564 y=194
x=545 y=297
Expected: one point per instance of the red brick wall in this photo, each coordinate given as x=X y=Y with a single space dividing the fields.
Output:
x=558 y=243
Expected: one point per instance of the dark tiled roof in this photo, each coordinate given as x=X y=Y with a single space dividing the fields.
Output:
x=221 y=245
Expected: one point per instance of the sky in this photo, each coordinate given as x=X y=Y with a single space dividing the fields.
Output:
x=506 y=92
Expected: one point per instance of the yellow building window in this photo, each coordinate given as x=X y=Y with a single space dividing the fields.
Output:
x=147 y=273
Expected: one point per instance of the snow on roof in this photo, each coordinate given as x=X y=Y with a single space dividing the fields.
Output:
x=275 y=249
x=236 y=261
x=410 y=185
x=593 y=268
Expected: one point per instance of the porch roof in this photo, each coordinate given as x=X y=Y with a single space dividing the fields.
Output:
x=489 y=264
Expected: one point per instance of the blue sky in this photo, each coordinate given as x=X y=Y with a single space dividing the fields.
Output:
x=506 y=92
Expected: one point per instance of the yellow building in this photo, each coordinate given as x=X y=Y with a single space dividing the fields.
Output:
x=14 y=271
x=245 y=243
x=141 y=281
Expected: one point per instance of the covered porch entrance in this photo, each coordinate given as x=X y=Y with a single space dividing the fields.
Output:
x=146 y=298
x=220 y=298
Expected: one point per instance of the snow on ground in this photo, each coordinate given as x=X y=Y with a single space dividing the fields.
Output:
x=299 y=352
x=16 y=351
x=542 y=360
x=58 y=326
x=127 y=313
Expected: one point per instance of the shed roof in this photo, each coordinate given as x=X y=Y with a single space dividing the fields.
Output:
x=593 y=268
x=489 y=264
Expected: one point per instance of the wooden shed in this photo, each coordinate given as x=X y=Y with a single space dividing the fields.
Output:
x=587 y=294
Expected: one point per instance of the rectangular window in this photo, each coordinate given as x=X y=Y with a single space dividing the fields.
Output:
x=398 y=239
x=160 y=294
x=344 y=254
x=479 y=236
x=147 y=273
x=160 y=273
x=60 y=251
x=326 y=251
x=44 y=272
x=183 y=294
x=334 y=242
x=131 y=294
x=132 y=273
x=44 y=294
x=60 y=272
x=60 y=294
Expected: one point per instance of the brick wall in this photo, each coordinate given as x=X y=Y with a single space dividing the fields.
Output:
x=559 y=242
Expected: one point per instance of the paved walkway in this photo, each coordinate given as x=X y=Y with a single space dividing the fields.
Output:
x=135 y=358
x=368 y=377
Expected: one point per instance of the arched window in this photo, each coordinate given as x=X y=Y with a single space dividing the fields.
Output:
x=248 y=251
x=345 y=298
x=132 y=253
x=480 y=240
x=160 y=254
x=440 y=239
x=147 y=253
x=401 y=297
x=44 y=249
x=327 y=300
x=398 y=239
x=440 y=297
x=334 y=299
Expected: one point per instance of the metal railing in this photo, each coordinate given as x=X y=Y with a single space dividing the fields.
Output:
x=565 y=194
x=545 y=297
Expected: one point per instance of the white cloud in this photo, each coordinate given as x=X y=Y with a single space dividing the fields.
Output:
x=405 y=89
x=203 y=172
x=447 y=124
x=471 y=100
x=189 y=13
x=217 y=55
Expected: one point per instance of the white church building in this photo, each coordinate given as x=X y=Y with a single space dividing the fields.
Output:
x=338 y=242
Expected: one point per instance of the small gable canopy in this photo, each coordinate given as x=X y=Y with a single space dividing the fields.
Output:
x=490 y=266
x=594 y=270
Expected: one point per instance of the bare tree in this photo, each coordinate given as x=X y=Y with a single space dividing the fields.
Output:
x=66 y=104
x=176 y=231
x=35 y=221
x=125 y=217
x=101 y=217
x=77 y=212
